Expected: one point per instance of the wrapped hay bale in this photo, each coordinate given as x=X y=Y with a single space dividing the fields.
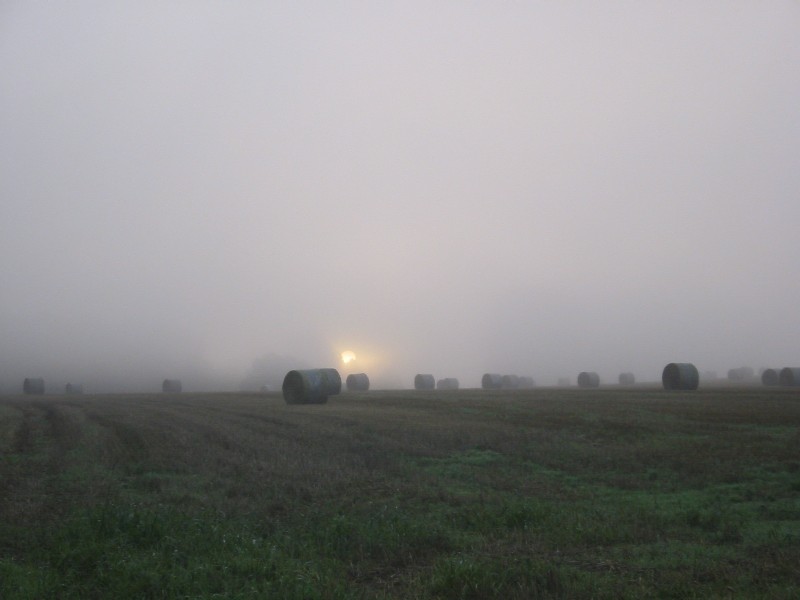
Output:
x=448 y=383
x=357 y=382
x=741 y=374
x=311 y=386
x=680 y=376
x=789 y=377
x=492 y=381
x=171 y=386
x=771 y=377
x=424 y=381
x=588 y=379
x=526 y=383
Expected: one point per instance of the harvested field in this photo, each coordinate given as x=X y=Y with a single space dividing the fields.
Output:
x=603 y=493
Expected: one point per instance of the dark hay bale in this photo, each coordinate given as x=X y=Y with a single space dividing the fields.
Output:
x=171 y=386
x=311 y=386
x=680 y=376
x=588 y=379
x=357 y=382
x=741 y=374
x=526 y=383
x=492 y=381
x=333 y=381
x=789 y=377
x=448 y=383
x=424 y=381
x=771 y=377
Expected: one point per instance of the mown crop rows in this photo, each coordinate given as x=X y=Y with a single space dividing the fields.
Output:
x=605 y=493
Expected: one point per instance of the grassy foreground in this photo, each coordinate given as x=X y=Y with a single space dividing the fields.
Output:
x=468 y=494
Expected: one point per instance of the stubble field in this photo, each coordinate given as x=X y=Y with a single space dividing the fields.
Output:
x=549 y=493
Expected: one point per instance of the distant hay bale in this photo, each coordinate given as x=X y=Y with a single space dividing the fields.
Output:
x=741 y=374
x=311 y=386
x=171 y=386
x=357 y=382
x=492 y=381
x=33 y=386
x=680 y=376
x=588 y=379
x=627 y=379
x=424 y=381
x=526 y=383
x=771 y=377
x=73 y=388
x=448 y=383
x=510 y=382
x=789 y=377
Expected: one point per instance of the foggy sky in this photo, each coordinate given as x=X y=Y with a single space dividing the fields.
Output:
x=448 y=187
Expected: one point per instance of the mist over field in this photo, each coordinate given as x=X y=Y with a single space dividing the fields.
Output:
x=218 y=192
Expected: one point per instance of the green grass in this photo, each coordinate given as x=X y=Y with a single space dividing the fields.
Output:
x=536 y=494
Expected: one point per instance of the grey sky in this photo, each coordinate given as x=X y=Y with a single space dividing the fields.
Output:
x=447 y=187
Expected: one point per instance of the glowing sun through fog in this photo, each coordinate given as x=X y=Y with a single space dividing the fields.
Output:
x=348 y=356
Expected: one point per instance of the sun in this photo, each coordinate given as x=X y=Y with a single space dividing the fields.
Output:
x=348 y=356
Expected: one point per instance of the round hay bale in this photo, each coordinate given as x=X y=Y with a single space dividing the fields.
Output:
x=448 y=383
x=526 y=383
x=357 y=382
x=680 y=376
x=627 y=379
x=171 y=386
x=424 y=381
x=73 y=388
x=33 y=385
x=333 y=381
x=588 y=379
x=311 y=386
x=492 y=381
x=771 y=377
x=741 y=374
x=789 y=377
x=510 y=382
